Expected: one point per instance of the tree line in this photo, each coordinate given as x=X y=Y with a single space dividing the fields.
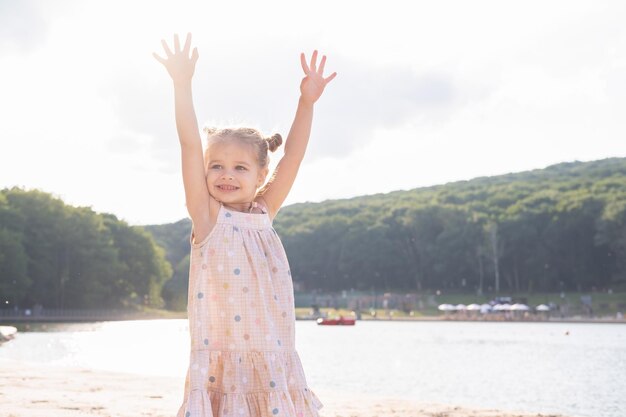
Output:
x=562 y=228
x=59 y=256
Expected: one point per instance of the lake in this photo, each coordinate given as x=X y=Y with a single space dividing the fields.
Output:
x=576 y=369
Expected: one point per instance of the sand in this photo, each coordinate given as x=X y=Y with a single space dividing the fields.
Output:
x=29 y=390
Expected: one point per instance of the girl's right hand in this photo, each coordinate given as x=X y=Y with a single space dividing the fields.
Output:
x=178 y=64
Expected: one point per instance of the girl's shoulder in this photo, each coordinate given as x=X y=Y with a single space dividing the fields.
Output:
x=264 y=208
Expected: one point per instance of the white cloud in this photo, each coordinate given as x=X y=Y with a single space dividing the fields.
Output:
x=426 y=93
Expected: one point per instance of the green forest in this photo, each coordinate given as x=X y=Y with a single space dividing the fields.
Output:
x=61 y=256
x=562 y=228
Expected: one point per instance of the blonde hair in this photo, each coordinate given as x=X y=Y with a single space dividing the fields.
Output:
x=246 y=135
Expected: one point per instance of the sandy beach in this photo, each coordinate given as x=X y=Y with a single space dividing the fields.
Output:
x=28 y=390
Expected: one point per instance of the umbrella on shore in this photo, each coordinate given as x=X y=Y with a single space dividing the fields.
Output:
x=542 y=307
x=473 y=307
x=485 y=308
x=520 y=307
x=446 y=307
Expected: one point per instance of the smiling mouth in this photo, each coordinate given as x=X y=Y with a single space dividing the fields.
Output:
x=227 y=187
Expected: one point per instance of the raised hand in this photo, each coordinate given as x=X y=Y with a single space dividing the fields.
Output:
x=178 y=64
x=313 y=84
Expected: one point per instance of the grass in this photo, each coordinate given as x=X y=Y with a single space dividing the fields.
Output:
x=380 y=312
x=603 y=304
x=161 y=313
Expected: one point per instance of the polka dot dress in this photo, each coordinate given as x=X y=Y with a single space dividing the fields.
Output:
x=243 y=361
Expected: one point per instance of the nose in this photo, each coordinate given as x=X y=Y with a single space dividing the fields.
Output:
x=228 y=175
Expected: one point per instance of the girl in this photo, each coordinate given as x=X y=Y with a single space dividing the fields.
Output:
x=241 y=312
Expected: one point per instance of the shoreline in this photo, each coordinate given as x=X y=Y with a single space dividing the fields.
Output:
x=11 y=317
x=492 y=320
x=71 y=319
x=32 y=390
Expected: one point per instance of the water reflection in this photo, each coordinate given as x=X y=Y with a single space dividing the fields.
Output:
x=569 y=368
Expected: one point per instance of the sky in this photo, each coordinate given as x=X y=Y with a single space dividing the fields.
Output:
x=426 y=92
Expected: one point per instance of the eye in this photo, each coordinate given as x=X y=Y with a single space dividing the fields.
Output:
x=241 y=166
x=216 y=166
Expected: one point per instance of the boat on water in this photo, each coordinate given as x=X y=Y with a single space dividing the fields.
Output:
x=7 y=333
x=341 y=320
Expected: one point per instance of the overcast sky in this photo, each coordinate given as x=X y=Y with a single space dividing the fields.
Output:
x=426 y=92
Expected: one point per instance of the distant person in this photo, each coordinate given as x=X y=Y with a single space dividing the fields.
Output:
x=241 y=306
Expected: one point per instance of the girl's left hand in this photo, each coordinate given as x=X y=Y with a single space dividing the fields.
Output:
x=312 y=85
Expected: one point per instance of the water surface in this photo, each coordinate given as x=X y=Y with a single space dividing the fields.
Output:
x=576 y=369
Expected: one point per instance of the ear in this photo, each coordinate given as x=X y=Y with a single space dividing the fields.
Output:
x=262 y=176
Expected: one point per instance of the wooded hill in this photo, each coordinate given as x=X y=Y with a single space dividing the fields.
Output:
x=558 y=228
x=552 y=229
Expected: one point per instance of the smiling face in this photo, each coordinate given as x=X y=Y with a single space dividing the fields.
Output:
x=233 y=173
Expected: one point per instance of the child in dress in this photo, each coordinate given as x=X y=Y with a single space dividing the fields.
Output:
x=241 y=311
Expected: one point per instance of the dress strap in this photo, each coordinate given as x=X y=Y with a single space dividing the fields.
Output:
x=258 y=205
x=253 y=205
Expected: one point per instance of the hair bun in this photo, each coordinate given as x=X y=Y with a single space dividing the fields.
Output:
x=274 y=141
x=209 y=130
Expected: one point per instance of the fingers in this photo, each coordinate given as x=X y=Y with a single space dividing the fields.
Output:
x=194 y=56
x=305 y=67
x=187 y=44
x=168 y=52
x=330 y=77
x=176 y=43
x=313 y=67
x=158 y=58
x=313 y=61
x=177 y=50
x=320 y=71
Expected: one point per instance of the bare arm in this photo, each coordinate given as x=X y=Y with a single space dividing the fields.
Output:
x=181 y=68
x=194 y=180
x=311 y=88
